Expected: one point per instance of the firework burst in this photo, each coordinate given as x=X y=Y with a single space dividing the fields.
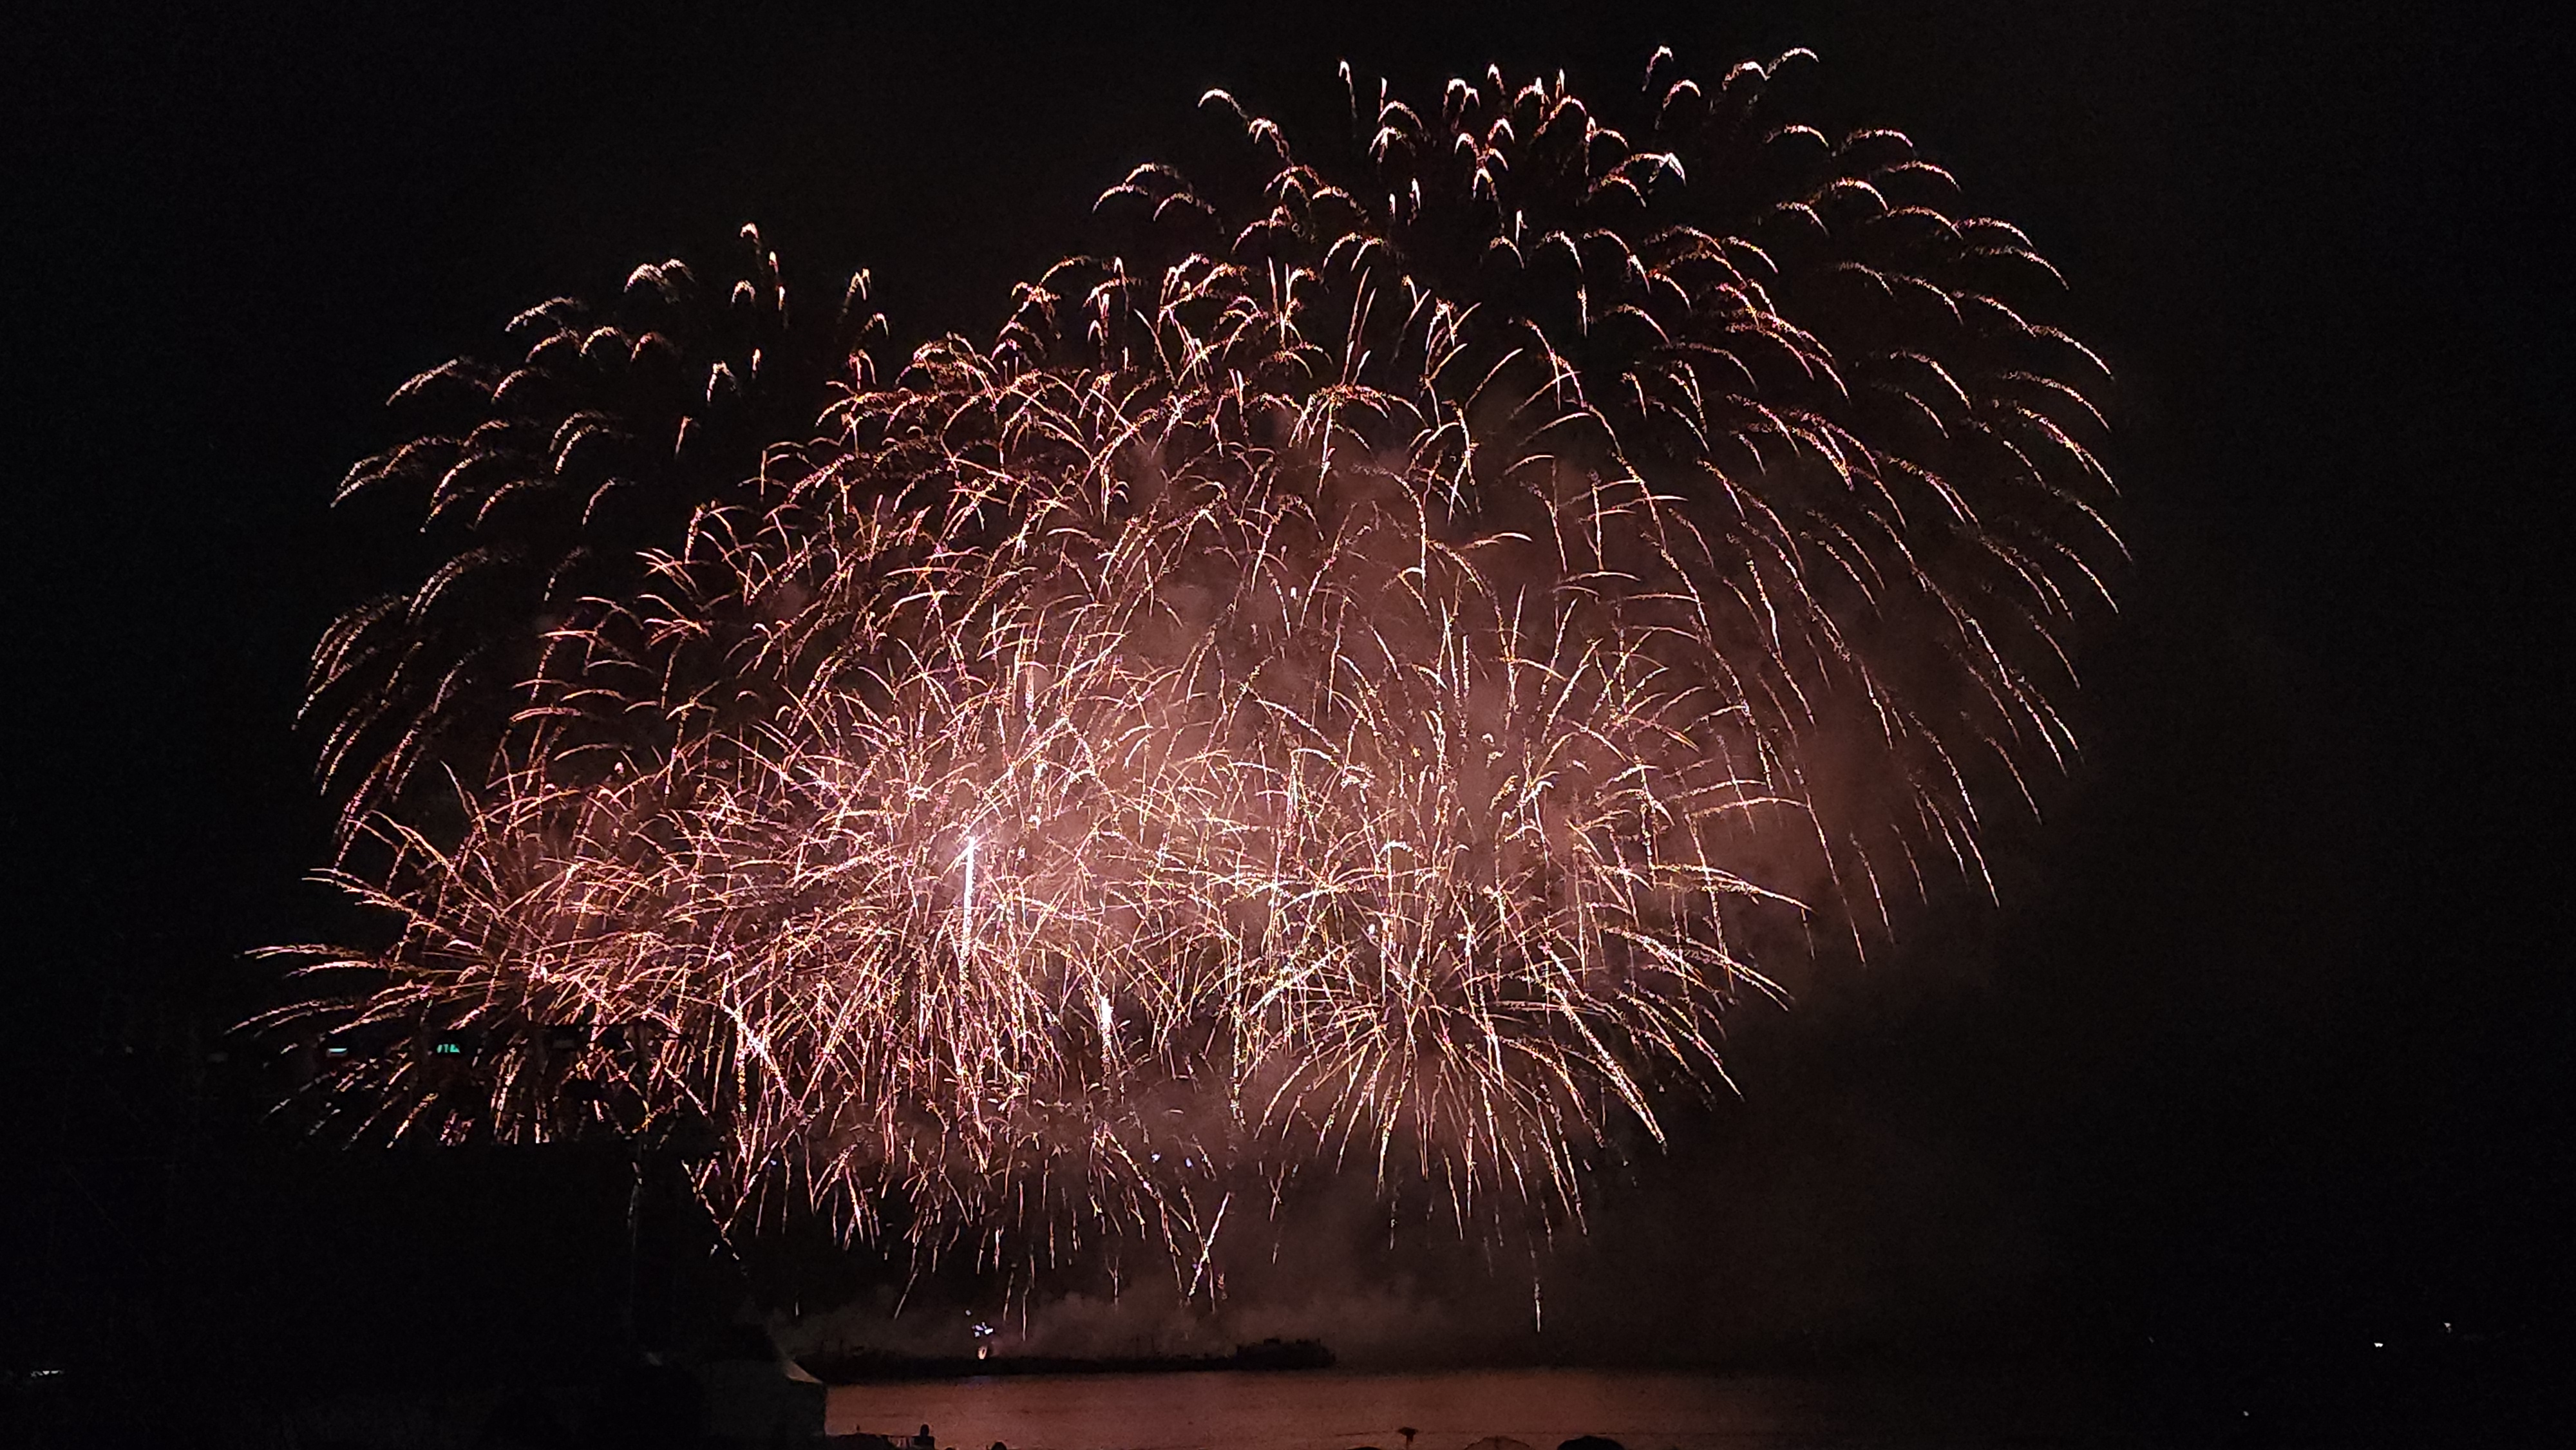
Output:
x=1358 y=675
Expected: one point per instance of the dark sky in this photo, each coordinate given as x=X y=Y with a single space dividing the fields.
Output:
x=2271 y=1033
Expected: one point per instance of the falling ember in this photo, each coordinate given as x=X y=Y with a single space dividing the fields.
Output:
x=966 y=906
x=1391 y=647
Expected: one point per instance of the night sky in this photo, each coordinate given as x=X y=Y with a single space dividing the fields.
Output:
x=2268 y=1042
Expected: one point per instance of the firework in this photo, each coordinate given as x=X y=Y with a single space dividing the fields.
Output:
x=548 y=480
x=1359 y=675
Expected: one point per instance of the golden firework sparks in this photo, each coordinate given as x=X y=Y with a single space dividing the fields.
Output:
x=1344 y=679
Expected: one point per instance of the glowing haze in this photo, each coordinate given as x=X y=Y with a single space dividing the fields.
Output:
x=1355 y=678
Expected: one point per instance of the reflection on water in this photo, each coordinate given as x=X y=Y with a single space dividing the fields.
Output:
x=1339 y=1410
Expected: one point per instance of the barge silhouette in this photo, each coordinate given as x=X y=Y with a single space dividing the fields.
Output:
x=871 y=1366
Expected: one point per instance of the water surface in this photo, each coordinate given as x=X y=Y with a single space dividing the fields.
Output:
x=1338 y=1410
